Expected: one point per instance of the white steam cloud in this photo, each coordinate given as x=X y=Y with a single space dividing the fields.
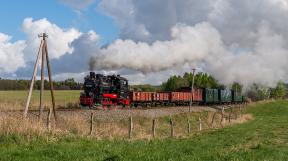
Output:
x=188 y=45
x=241 y=41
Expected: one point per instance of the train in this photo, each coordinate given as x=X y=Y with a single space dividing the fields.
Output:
x=113 y=90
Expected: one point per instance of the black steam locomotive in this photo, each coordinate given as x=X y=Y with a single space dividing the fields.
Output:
x=105 y=90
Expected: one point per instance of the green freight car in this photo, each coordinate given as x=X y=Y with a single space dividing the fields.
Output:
x=215 y=96
x=225 y=96
x=210 y=96
x=237 y=97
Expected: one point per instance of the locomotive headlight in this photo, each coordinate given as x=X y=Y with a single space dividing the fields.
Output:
x=90 y=93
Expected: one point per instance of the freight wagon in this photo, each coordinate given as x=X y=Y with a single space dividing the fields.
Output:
x=141 y=98
x=161 y=98
x=225 y=96
x=180 y=98
x=113 y=90
x=197 y=95
x=210 y=96
x=237 y=97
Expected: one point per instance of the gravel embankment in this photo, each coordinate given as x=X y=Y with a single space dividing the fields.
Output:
x=117 y=114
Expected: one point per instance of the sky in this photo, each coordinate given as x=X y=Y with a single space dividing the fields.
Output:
x=147 y=41
x=13 y=12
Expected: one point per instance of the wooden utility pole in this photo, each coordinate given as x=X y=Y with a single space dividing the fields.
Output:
x=43 y=54
x=42 y=82
x=192 y=86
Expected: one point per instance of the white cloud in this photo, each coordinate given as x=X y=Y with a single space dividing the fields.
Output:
x=59 y=40
x=69 y=49
x=11 y=54
x=123 y=12
x=84 y=47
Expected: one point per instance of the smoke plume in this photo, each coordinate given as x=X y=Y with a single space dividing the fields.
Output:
x=241 y=41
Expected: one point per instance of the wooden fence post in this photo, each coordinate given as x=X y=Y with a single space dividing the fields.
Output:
x=241 y=111
x=130 y=127
x=213 y=118
x=188 y=126
x=154 y=128
x=222 y=118
x=172 y=127
x=91 y=123
x=200 y=124
x=230 y=113
x=49 y=119
x=236 y=113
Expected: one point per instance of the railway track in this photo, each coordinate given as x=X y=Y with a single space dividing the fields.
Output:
x=217 y=107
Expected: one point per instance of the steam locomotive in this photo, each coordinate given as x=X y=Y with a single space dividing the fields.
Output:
x=104 y=90
x=113 y=90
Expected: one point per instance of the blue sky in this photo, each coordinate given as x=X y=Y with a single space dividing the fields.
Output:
x=148 y=40
x=13 y=12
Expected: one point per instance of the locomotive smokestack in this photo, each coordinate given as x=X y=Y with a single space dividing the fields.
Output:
x=92 y=75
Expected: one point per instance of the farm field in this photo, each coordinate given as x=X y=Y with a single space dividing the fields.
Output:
x=263 y=138
x=16 y=100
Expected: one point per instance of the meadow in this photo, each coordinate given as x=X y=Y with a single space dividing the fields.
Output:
x=262 y=138
x=16 y=100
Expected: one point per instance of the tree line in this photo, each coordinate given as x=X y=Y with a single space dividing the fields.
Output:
x=68 y=84
x=201 y=80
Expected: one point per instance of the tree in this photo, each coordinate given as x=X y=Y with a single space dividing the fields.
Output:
x=202 y=80
x=279 y=91
x=258 y=92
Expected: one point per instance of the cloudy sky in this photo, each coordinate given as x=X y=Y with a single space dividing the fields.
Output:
x=147 y=41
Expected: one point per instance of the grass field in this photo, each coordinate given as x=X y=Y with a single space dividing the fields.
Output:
x=264 y=138
x=15 y=100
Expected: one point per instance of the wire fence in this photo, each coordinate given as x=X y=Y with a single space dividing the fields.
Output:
x=86 y=123
x=171 y=126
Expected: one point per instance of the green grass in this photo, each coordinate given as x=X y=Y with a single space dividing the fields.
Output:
x=15 y=100
x=264 y=138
